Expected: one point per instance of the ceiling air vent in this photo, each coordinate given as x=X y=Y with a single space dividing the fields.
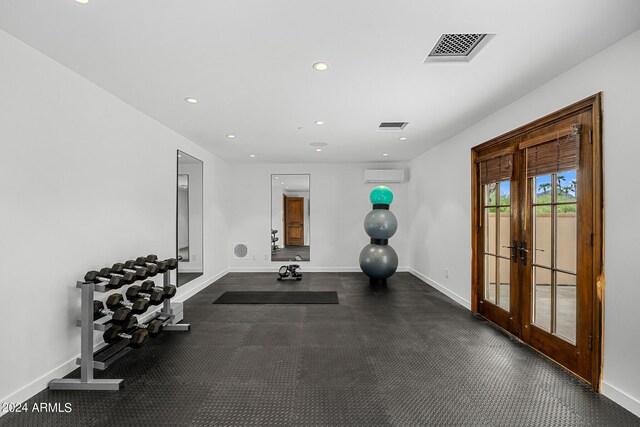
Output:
x=392 y=125
x=457 y=47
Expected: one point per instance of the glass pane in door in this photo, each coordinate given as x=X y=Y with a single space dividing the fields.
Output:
x=566 y=306
x=542 y=189
x=505 y=232
x=504 y=291
x=566 y=221
x=490 y=231
x=542 y=236
x=542 y=298
x=554 y=249
x=505 y=193
x=497 y=239
x=490 y=278
x=490 y=194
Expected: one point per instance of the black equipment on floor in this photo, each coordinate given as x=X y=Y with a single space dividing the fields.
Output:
x=274 y=239
x=289 y=272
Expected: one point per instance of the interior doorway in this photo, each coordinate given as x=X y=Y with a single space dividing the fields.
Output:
x=537 y=235
x=293 y=220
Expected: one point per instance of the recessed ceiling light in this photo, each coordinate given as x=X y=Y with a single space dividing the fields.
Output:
x=321 y=66
x=286 y=186
x=231 y=136
x=82 y=1
x=318 y=149
x=275 y=177
x=282 y=183
x=319 y=122
x=252 y=155
x=179 y=155
x=191 y=100
x=385 y=154
x=403 y=138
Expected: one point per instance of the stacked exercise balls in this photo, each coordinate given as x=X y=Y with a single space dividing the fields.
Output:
x=378 y=260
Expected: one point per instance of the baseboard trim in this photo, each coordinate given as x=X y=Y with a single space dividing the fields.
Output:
x=191 y=270
x=41 y=383
x=623 y=399
x=191 y=289
x=303 y=269
x=457 y=298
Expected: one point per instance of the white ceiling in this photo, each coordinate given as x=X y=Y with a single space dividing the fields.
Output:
x=249 y=64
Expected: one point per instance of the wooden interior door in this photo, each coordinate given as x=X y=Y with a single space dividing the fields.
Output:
x=294 y=221
x=541 y=185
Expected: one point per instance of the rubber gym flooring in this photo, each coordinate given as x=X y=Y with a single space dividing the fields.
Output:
x=408 y=356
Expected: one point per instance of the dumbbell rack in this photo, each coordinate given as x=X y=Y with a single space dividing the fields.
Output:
x=88 y=325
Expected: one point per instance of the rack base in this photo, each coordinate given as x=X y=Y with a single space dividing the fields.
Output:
x=177 y=327
x=76 y=384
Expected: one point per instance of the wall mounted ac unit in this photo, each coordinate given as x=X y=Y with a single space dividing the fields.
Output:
x=382 y=176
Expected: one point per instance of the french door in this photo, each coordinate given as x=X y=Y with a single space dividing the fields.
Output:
x=537 y=235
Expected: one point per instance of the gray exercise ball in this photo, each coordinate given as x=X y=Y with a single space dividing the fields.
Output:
x=378 y=261
x=380 y=224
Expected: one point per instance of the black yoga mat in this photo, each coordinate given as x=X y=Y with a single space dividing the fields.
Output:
x=278 y=297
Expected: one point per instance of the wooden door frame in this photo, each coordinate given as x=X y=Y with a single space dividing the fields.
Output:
x=593 y=103
x=284 y=220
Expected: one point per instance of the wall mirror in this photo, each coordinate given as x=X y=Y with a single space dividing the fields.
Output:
x=290 y=212
x=189 y=218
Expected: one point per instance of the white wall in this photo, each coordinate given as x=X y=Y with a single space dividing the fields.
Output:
x=339 y=203
x=86 y=181
x=440 y=193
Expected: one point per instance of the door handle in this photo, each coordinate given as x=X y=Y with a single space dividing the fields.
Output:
x=514 y=249
x=523 y=252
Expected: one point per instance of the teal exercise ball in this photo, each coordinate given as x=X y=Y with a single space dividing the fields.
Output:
x=381 y=195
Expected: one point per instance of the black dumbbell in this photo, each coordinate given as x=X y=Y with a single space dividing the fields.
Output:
x=152 y=269
x=120 y=315
x=136 y=338
x=113 y=282
x=127 y=276
x=172 y=263
x=148 y=285
x=160 y=265
x=139 y=273
x=116 y=301
x=153 y=328
x=155 y=297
